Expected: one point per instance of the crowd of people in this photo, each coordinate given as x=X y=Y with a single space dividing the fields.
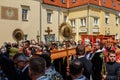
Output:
x=31 y=60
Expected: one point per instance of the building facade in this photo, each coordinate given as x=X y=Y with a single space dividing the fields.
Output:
x=19 y=14
x=37 y=18
x=94 y=17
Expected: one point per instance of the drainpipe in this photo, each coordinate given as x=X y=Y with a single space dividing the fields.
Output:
x=40 y=20
x=88 y=19
x=77 y=31
x=58 y=24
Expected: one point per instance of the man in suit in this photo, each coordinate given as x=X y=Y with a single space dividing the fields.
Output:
x=97 y=61
x=37 y=68
x=80 y=55
x=16 y=69
x=76 y=70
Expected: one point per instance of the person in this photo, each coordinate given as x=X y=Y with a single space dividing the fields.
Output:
x=26 y=43
x=108 y=47
x=118 y=73
x=16 y=69
x=76 y=70
x=97 y=61
x=79 y=42
x=8 y=47
x=60 y=64
x=88 y=50
x=37 y=67
x=112 y=66
x=80 y=54
x=50 y=71
x=26 y=49
x=117 y=51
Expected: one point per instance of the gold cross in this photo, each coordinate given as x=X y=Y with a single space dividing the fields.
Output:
x=48 y=30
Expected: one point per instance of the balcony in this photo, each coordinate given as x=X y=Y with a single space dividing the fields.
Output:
x=95 y=30
x=83 y=30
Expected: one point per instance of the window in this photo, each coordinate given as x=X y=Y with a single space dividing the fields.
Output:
x=117 y=20
x=65 y=18
x=73 y=23
x=96 y=21
x=73 y=1
x=63 y=1
x=83 y=22
x=25 y=13
x=104 y=1
x=113 y=4
x=52 y=0
x=49 y=17
x=106 y=18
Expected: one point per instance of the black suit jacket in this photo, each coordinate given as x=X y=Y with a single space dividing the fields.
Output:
x=97 y=66
x=87 y=64
x=7 y=65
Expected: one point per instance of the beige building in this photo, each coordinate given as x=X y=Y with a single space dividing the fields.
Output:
x=34 y=17
x=52 y=17
x=94 y=20
x=88 y=17
x=15 y=14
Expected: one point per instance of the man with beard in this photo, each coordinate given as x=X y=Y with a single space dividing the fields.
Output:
x=97 y=61
x=108 y=47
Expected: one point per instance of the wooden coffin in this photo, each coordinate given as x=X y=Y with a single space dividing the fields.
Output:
x=62 y=53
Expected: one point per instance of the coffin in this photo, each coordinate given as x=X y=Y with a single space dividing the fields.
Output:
x=62 y=53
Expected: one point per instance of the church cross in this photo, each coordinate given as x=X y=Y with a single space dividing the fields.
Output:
x=48 y=30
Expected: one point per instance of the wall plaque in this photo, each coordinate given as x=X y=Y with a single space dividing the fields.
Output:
x=9 y=13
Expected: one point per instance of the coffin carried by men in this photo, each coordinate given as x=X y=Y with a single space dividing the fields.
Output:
x=62 y=53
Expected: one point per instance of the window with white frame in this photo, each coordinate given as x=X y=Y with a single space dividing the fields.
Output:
x=74 y=1
x=63 y=1
x=113 y=3
x=49 y=16
x=73 y=23
x=65 y=18
x=83 y=22
x=95 y=21
x=25 y=13
x=117 y=20
x=107 y=18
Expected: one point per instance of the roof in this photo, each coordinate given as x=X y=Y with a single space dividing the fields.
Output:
x=112 y=4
